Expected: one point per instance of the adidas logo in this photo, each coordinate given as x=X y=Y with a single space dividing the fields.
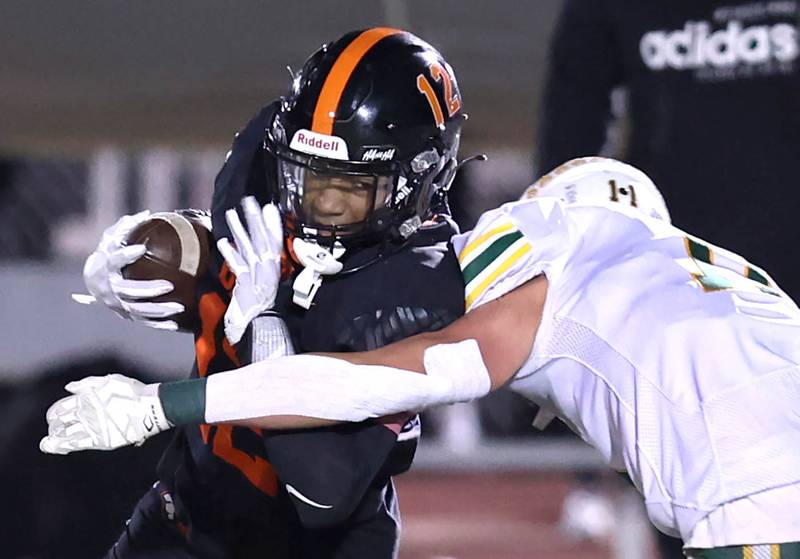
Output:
x=696 y=46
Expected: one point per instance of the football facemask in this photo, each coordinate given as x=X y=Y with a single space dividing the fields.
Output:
x=330 y=203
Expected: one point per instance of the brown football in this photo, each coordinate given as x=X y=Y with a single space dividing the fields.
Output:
x=177 y=250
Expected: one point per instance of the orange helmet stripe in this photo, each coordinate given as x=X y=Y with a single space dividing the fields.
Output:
x=340 y=73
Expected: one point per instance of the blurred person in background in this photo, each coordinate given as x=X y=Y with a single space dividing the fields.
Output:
x=706 y=97
x=676 y=359
x=712 y=109
x=359 y=156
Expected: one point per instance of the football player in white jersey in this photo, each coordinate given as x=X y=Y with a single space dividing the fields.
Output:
x=676 y=359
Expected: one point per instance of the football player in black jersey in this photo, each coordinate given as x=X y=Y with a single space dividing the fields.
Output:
x=359 y=157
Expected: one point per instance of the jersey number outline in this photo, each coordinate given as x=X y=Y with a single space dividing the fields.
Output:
x=255 y=469
x=439 y=74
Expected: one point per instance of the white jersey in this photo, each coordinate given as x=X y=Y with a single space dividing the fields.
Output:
x=677 y=360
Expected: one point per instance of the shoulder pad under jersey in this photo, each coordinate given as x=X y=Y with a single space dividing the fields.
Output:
x=509 y=246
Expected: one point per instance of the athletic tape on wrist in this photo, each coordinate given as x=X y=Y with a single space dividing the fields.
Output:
x=461 y=364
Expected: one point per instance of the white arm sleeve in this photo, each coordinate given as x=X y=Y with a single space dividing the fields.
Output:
x=328 y=388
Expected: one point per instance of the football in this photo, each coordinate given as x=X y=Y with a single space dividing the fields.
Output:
x=177 y=250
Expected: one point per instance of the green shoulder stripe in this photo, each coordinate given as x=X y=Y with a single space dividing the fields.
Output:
x=485 y=258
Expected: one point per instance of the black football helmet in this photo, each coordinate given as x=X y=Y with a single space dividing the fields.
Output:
x=366 y=140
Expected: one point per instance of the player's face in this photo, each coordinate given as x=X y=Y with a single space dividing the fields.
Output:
x=331 y=199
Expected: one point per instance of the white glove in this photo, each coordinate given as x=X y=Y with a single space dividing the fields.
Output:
x=103 y=278
x=256 y=262
x=104 y=413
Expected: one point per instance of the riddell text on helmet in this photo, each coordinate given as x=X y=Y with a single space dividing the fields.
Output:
x=314 y=143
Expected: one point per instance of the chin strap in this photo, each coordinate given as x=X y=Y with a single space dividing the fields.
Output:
x=317 y=262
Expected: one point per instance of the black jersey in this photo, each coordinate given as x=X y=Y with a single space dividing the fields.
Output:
x=340 y=476
x=220 y=474
x=340 y=502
